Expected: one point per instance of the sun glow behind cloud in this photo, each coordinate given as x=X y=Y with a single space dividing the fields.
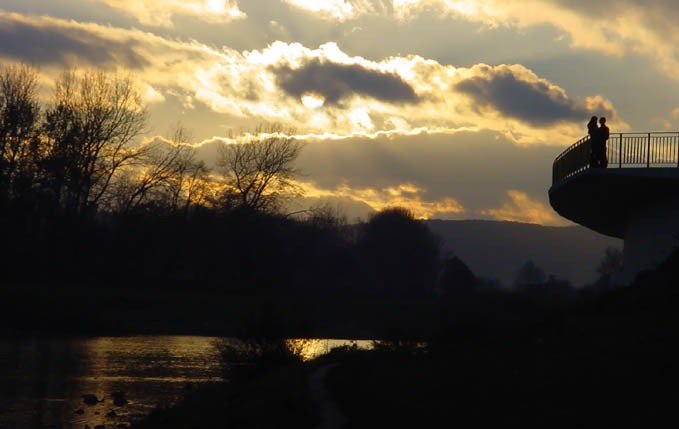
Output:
x=159 y=13
x=325 y=90
x=404 y=195
x=522 y=208
x=330 y=9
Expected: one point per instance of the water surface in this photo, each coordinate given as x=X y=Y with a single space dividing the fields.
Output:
x=42 y=381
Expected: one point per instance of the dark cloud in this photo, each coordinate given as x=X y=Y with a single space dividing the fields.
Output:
x=533 y=102
x=466 y=166
x=338 y=81
x=43 y=42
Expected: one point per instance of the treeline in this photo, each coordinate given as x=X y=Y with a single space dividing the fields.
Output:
x=72 y=169
x=78 y=156
x=84 y=201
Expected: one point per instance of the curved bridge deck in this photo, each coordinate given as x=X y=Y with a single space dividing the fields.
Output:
x=642 y=169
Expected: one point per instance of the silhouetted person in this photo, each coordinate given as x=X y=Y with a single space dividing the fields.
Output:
x=604 y=133
x=593 y=131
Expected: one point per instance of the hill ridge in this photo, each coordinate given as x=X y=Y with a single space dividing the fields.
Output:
x=497 y=249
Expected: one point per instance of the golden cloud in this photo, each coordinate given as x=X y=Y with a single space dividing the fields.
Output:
x=397 y=95
x=159 y=13
x=340 y=10
x=614 y=28
x=522 y=208
x=404 y=195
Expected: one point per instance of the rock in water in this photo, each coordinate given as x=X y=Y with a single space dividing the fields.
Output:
x=90 y=399
x=119 y=398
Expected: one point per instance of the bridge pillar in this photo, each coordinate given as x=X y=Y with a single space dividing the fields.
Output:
x=651 y=234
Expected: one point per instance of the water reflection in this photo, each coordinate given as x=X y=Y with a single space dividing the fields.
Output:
x=71 y=383
x=309 y=349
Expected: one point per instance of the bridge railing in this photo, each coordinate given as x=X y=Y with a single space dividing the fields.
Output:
x=641 y=150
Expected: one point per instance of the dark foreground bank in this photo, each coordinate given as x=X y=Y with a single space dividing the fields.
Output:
x=610 y=364
x=66 y=310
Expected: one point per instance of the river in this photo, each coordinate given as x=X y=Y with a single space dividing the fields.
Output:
x=53 y=383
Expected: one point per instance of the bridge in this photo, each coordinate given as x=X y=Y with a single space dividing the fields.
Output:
x=636 y=197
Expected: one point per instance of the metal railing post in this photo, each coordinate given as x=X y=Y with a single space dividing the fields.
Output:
x=648 y=152
x=620 y=152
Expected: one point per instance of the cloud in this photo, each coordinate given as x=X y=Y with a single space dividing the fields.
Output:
x=522 y=208
x=516 y=92
x=404 y=195
x=340 y=10
x=466 y=166
x=50 y=41
x=159 y=13
x=320 y=91
x=336 y=81
x=435 y=176
x=612 y=27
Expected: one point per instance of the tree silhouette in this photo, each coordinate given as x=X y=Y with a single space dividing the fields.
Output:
x=456 y=277
x=399 y=253
x=169 y=176
x=89 y=129
x=611 y=262
x=259 y=167
x=19 y=132
x=529 y=275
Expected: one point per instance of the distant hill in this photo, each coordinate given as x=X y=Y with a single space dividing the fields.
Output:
x=495 y=249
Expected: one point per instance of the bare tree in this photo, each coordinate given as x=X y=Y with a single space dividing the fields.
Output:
x=167 y=174
x=19 y=126
x=325 y=216
x=90 y=129
x=259 y=168
x=145 y=180
x=190 y=184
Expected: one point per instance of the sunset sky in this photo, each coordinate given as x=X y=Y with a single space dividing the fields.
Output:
x=454 y=109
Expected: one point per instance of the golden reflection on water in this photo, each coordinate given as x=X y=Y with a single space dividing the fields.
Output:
x=44 y=380
x=150 y=371
x=311 y=348
x=166 y=358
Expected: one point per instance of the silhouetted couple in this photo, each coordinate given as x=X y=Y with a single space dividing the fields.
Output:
x=598 y=134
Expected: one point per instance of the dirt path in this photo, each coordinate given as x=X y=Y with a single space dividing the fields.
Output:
x=331 y=416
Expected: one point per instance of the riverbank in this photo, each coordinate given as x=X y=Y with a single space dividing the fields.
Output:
x=509 y=385
x=604 y=378
x=609 y=365
x=543 y=385
x=613 y=364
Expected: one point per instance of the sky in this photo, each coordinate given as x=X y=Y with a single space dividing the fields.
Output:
x=454 y=109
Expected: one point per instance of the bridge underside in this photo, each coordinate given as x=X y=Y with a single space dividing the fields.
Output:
x=604 y=199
